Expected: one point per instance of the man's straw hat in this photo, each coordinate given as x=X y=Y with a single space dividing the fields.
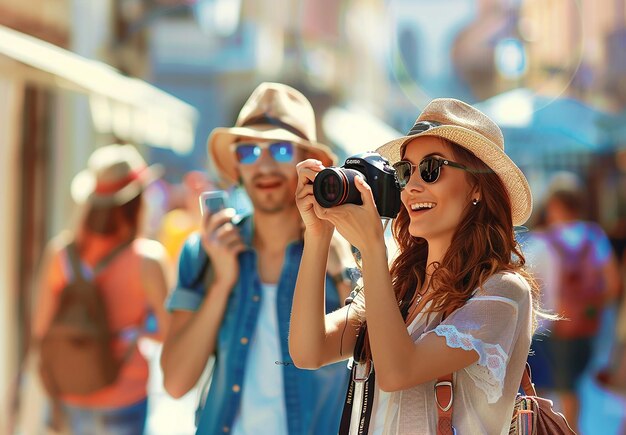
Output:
x=274 y=111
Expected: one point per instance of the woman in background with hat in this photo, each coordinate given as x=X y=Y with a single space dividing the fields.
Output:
x=450 y=322
x=133 y=284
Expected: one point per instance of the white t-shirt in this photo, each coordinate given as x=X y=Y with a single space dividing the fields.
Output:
x=496 y=323
x=262 y=400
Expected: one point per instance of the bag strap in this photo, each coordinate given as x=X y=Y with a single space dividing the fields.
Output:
x=444 y=398
x=527 y=384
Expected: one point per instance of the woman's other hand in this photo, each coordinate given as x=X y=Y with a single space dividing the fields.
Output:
x=358 y=224
x=307 y=171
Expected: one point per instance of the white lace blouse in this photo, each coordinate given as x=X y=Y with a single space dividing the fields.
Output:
x=496 y=323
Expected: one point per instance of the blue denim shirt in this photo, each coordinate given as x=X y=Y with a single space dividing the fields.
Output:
x=313 y=398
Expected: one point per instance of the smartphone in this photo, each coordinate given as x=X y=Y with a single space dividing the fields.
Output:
x=213 y=201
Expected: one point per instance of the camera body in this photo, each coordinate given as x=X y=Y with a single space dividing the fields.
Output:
x=335 y=185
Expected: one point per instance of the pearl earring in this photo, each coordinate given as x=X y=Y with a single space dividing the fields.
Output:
x=475 y=201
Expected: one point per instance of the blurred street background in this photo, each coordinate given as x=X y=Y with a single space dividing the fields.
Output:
x=79 y=74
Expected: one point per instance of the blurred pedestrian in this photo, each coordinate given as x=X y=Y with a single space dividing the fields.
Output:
x=130 y=274
x=616 y=376
x=583 y=279
x=184 y=218
x=236 y=281
x=542 y=262
x=449 y=325
x=612 y=377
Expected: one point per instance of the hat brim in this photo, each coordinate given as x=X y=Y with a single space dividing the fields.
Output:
x=220 y=141
x=493 y=156
x=84 y=184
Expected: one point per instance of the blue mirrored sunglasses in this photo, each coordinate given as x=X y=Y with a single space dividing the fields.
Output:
x=249 y=153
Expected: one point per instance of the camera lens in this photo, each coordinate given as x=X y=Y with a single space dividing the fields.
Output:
x=331 y=189
x=335 y=186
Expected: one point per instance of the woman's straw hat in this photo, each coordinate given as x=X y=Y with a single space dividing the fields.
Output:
x=471 y=129
x=115 y=174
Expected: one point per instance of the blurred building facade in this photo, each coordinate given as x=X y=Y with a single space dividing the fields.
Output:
x=22 y=120
x=555 y=47
x=389 y=58
x=58 y=102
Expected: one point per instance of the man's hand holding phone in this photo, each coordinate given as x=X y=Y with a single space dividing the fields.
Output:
x=213 y=201
x=220 y=238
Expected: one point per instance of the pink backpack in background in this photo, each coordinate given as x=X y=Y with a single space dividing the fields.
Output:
x=581 y=293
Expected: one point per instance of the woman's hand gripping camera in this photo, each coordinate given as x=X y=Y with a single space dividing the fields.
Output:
x=360 y=225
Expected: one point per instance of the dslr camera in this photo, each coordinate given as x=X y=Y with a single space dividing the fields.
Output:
x=334 y=186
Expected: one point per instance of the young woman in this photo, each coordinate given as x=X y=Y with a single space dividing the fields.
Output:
x=456 y=300
x=133 y=285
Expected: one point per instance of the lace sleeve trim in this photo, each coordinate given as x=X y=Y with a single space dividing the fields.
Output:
x=488 y=372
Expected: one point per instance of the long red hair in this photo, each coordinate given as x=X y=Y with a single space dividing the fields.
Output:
x=482 y=245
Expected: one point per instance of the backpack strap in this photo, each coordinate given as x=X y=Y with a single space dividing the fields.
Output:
x=76 y=266
x=106 y=260
x=580 y=253
x=79 y=274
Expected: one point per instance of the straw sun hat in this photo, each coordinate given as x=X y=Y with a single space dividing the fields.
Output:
x=274 y=111
x=471 y=129
x=115 y=174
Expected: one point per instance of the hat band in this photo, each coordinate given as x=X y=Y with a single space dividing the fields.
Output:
x=108 y=188
x=422 y=126
x=265 y=119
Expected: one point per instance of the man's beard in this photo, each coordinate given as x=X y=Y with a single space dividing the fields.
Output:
x=275 y=202
x=272 y=205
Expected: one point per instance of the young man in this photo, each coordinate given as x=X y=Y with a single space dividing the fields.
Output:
x=241 y=312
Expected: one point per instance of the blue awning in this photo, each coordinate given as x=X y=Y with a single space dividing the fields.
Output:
x=130 y=108
x=536 y=126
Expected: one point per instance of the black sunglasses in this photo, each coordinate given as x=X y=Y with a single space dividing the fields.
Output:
x=429 y=169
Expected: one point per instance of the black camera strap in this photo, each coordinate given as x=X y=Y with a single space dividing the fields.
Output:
x=369 y=384
x=365 y=415
x=346 y=414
